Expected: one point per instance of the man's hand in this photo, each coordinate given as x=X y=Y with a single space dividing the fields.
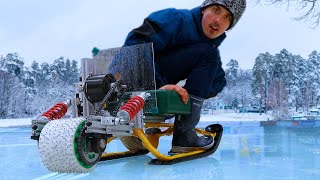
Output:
x=181 y=91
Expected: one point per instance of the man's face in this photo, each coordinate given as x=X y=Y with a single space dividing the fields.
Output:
x=215 y=21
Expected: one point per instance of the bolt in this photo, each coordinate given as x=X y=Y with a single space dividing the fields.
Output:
x=89 y=123
x=34 y=127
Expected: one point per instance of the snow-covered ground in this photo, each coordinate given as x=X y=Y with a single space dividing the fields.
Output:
x=15 y=122
x=231 y=116
x=215 y=116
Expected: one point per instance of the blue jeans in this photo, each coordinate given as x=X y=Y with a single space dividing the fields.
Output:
x=197 y=63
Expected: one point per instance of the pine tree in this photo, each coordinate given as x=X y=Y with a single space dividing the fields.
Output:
x=312 y=79
x=262 y=71
x=232 y=72
x=297 y=81
x=74 y=72
x=13 y=64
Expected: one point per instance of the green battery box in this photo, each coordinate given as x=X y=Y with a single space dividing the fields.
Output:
x=168 y=102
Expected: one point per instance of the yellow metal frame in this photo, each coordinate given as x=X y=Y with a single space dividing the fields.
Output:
x=116 y=154
x=150 y=142
x=153 y=149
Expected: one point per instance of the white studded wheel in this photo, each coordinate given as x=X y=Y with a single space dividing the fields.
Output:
x=59 y=147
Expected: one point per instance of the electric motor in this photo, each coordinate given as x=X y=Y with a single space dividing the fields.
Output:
x=97 y=86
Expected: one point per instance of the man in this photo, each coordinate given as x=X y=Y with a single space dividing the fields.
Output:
x=186 y=47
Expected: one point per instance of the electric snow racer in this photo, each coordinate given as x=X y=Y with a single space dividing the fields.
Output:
x=116 y=98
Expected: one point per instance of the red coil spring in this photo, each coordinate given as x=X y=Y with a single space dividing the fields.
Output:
x=57 y=111
x=133 y=106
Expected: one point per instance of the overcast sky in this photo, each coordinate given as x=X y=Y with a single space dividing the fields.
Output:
x=46 y=30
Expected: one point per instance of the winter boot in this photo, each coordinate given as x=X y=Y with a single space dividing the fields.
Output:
x=185 y=138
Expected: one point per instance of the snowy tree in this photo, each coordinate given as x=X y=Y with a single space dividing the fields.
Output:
x=1 y=63
x=45 y=75
x=238 y=94
x=35 y=71
x=278 y=75
x=232 y=72
x=262 y=71
x=244 y=88
x=74 y=72
x=56 y=82
x=13 y=64
x=312 y=79
x=285 y=70
x=297 y=81
x=13 y=73
x=58 y=70
x=41 y=100
x=29 y=91
x=11 y=99
x=229 y=95
x=279 y=99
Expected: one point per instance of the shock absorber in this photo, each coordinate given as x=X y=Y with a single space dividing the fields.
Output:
x=130 y=109
x=57 y=111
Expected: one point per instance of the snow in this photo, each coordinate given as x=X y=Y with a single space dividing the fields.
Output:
x=15 y=122
x=215 y=116
x=231 y=116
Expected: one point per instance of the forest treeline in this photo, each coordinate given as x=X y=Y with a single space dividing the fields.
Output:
x=281 y=83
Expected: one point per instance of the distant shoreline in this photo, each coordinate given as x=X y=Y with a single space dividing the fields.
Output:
x=217 y=117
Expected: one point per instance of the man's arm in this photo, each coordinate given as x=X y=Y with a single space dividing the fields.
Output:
x=144 y=33
x=162 y=28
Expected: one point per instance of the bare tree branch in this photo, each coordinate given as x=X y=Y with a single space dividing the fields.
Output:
x=310 y=9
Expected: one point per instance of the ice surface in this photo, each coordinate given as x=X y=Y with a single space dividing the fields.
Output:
x=248 y=150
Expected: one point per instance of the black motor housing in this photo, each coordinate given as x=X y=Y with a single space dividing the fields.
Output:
x=97 y=86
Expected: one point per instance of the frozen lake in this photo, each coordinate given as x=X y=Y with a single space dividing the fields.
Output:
x=248 y=150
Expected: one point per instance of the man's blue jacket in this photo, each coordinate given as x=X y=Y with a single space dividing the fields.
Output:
x=172 y=27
